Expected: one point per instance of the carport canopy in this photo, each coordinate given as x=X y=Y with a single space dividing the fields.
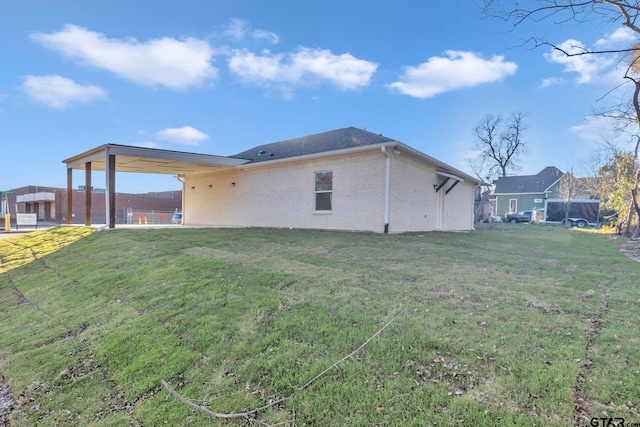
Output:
x=113 y=158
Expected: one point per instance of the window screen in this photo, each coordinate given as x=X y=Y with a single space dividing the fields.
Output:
x=323 y=191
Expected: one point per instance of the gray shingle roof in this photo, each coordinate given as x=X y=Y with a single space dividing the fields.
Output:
x=528 y=183
x=338 y=139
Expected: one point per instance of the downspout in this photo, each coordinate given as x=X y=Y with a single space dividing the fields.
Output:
x=481 y=203
x=181 y=179
x=387 y=176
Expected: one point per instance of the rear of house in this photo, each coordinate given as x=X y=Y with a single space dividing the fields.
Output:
x=344 y=179
x=380 y=185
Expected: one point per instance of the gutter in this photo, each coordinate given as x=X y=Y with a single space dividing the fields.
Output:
x=387 y=175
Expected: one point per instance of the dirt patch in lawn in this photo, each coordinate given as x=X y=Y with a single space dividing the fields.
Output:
x=6 y=403
x=631 y=248
x=581 y=414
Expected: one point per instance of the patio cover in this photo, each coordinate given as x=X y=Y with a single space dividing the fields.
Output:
x=113 y=158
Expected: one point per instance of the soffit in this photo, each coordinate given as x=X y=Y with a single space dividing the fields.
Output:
x=149 y=160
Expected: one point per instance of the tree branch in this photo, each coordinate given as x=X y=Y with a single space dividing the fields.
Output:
x=248 y=414
x=202 y=408
x=353 y=352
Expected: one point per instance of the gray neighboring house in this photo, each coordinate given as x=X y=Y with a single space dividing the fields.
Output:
x=527 y=192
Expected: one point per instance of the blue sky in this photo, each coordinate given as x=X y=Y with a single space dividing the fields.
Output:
x=219 y=77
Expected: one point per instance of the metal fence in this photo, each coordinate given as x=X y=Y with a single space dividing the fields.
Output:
x=135 y=216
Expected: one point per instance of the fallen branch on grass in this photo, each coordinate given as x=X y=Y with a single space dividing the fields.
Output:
x=354 y=352
x=204 y=410
x=249 y=414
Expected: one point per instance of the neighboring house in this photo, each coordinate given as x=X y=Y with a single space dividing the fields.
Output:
x=527 y=192
x=345 y=179
x=550 y=187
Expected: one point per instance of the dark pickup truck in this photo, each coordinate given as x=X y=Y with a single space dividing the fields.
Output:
x=513 y=217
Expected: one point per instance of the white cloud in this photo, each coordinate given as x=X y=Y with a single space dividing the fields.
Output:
x=587 y=66
x=590 y=130
x=595 y=67
x=60 y=92
x=176 y=64
x=237 y=29
x=621 y=36
x=599 y=129
x=185 y=135
x=454 y=71
x=551 y=81
x=265 y=35
x=303 y=67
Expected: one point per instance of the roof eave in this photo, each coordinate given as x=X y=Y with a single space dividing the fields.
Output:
x=79 y=160
x=431 y=160
x=87 y=156
x=519 y=193
x=373 y=147
x=554 y=183
x=331 y=153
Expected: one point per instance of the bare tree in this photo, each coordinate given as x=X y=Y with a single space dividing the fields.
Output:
x=500 y=144
x=626 y=12
x=567 y=191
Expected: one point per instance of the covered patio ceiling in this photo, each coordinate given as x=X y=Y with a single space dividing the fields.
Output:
x=150 y=160
x=113 y=158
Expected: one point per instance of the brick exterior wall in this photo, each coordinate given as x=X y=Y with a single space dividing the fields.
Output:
x=282 y=196
x=415 y=205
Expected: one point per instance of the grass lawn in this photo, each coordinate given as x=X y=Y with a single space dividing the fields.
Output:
x=515 y=325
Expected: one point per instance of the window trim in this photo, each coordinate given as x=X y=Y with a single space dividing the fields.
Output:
x=513 y=203
x=316 y=192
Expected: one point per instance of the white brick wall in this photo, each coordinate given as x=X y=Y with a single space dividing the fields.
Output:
x=282 y=195
x=415 y=206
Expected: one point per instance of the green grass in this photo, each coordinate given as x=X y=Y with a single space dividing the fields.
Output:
x=498 y=328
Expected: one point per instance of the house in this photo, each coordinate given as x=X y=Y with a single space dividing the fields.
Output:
x=543 y=193
x=526 y=192
x=345 y=179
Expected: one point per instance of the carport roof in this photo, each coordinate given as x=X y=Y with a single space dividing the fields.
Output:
x=151 y=160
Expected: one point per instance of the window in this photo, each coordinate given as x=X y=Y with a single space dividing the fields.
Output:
x=513 y=205
x=323 y=190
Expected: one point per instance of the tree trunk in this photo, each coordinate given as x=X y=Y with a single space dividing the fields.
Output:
x=635 y=210
x=627 y=226
x=567 y=205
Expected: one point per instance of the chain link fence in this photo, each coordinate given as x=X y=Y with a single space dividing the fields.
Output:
x=136 y=216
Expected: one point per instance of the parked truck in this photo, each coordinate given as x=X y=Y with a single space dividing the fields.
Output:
x=582 y=212
x=514 y=217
